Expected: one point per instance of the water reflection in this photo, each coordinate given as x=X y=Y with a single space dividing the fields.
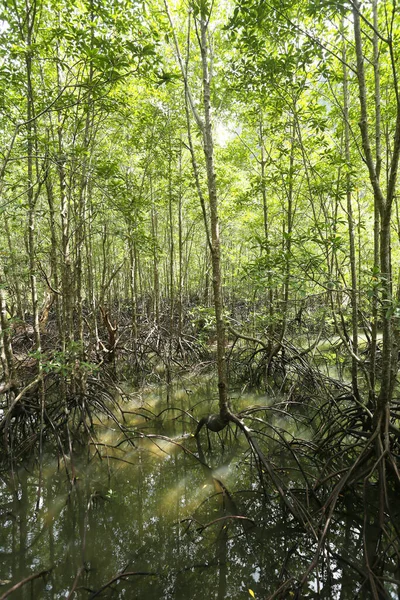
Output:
x=172 y=524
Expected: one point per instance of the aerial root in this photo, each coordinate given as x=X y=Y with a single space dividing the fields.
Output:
x=122 y=575
x=369 y=460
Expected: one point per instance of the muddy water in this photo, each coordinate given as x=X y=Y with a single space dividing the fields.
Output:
x=146 y=519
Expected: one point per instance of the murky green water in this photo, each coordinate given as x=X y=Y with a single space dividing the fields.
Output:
x=154 y=515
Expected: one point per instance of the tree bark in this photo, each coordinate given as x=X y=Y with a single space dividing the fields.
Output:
x=350 y=221
x=214 y=221
x=384 y=202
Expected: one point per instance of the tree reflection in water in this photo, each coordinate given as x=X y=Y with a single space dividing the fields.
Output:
x=155 y=521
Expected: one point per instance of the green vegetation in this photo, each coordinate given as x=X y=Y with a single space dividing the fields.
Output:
x=209 y=188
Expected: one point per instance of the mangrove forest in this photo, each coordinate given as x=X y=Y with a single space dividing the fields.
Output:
x=199 y=299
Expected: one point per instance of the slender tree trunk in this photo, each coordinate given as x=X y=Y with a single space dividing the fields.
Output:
x=378 y=163
x=214 y=222
x=6 y=352
x=66 y=274
x=91 y=276
x=134 y=295
x=104 y=266
x=31 y=195
x=212 y=233
x=350 y=221
x=290 y=216
x=32 y=198
x=384 y=202
x=267 y=250
x=3 y=358
x=180 y=246
x=82 y=198
x=54 y=245
x=156 y=274
x=171 y=249
x=15 y=276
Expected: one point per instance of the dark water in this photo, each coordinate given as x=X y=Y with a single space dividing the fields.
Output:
x=156 y=513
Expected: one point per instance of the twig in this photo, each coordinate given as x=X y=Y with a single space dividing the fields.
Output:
x=116 y=578
x=20 y=584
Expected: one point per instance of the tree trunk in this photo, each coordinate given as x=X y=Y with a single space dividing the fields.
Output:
x=14 y=270
x=156 y=275
x=384 y=202
x=214 y=222
x=350 y=221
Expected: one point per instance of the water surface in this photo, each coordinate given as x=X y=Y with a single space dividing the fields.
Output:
x=174 y=523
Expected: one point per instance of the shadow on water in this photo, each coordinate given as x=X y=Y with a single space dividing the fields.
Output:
x=171 y=517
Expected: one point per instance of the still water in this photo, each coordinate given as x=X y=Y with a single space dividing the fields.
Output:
x=146 y=519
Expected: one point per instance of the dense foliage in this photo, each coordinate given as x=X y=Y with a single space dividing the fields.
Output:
x=183 y=178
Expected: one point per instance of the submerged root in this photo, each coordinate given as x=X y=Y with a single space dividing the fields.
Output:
x=338 y=467
x=214 y=422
